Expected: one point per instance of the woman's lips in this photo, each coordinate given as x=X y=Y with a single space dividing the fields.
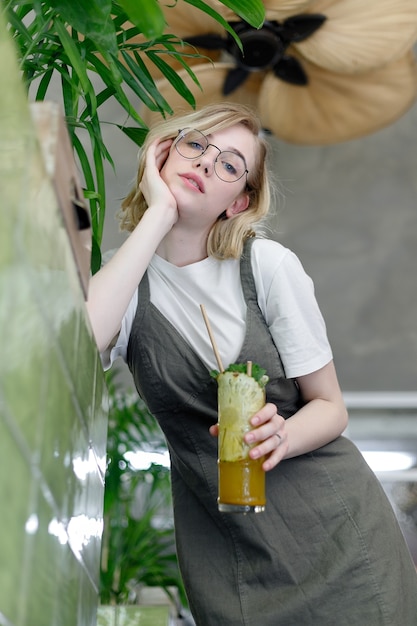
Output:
x=193 y=181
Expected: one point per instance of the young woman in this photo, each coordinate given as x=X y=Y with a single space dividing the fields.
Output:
x=328 y=549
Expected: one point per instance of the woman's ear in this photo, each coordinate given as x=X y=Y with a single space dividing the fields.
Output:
x=238 y=205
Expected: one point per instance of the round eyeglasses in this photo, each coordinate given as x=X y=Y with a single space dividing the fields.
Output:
x=229 y=166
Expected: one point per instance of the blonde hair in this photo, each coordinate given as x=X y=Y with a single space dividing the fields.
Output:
x=227 y=236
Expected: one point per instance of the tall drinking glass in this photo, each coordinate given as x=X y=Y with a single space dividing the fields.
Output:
x=241 y=479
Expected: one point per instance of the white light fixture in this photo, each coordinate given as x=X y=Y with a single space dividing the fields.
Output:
x=389 y=461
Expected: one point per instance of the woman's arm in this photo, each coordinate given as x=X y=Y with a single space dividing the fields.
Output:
x=112 y=288
x=322 y=418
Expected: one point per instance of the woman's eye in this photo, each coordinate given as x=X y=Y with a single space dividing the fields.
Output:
x=196 y=146
x=229 y=167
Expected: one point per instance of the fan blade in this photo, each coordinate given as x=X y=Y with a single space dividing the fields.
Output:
x=291 y=71
x=185 y=20
x=279 y=10
x=359 y=35
x=211 y=77
x=234 y=79
x=208 y=41
x=334 y=107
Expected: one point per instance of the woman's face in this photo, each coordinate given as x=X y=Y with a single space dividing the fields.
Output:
x=198 y=190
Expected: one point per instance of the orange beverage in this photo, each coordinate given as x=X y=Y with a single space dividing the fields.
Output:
x=242 y=483
x=241 y=479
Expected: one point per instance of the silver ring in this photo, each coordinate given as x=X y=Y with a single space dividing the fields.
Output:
x=279 y=436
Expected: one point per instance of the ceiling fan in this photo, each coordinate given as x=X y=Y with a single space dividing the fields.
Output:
x=318 y=71
x=263 y=48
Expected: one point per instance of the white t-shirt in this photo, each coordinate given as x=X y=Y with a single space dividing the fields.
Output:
x=285 y=297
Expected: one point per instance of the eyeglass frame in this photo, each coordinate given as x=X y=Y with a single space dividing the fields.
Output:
x=182 y=132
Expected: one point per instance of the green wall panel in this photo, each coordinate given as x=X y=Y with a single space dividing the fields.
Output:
x=53 y=401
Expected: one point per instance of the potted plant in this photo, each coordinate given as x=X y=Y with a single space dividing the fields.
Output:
x=97 y=51
x=138 y=548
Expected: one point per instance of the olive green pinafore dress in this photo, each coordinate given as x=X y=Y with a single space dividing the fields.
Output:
x=326 y=552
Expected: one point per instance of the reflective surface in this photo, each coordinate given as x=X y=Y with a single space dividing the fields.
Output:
x=52 y=395
x=133 y=616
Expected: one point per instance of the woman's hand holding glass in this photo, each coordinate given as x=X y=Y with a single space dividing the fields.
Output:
x=268 y=436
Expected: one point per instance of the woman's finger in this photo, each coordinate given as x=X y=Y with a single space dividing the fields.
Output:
x=161 y=152
x=214 y=430
x=269 y=438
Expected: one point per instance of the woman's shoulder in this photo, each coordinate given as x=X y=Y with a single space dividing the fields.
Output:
x=269 y=255
x=275 y=264
x=262 y=246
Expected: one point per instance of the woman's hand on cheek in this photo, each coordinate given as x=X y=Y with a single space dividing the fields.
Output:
x=268 y=437
x=154 y=189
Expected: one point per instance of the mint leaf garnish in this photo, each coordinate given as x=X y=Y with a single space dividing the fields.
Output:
x=258 y=372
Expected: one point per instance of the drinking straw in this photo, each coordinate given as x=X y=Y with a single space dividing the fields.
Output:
x=213 y=342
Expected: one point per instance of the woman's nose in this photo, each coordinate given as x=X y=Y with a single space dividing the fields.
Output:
x=207 y=160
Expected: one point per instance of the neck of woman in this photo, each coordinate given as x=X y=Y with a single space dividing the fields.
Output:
x=181 y=248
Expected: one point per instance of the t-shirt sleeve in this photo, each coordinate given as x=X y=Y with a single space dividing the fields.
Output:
x=118 y=348
x=287 y=299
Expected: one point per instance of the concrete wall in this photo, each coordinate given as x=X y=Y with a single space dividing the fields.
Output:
x=53 y=420
x=351 y=215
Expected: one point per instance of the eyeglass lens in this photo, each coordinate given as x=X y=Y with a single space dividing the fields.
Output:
x=228 y=165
